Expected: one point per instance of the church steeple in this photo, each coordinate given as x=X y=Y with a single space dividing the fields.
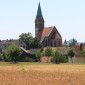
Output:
x=39 y=21
x=39 y=12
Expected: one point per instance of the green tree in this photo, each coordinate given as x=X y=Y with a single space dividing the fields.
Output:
x=83 y=53
x=27 y=38
x=36 y=43
x=13 y=52
x=83 y=43
x=71 y=53
x=38 y=55
x=74 y=42
x=56 y=56
x=47 y=52
x=1 y=56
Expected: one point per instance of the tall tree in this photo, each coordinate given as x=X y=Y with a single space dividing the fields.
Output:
x=13 y=52
x=36 y=43
x=83 y=53
x=74 y=42
x=71 y=53
x=47 y=52
x=38 y=55
x=1 y=56
x=27 y=39
x=83 y=43
x=56 y=55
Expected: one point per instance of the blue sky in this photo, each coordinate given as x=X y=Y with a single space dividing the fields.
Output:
x=18 y=16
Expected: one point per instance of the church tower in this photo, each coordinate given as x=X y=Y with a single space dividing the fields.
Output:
x=39 y=21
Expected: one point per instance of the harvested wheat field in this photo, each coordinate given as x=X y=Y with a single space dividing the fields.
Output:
x=48 y=74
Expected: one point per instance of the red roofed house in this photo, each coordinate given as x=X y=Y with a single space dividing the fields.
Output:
x=77 y=50
x=49 y=36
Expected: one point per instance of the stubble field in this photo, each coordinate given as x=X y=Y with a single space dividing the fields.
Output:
x=42 y=74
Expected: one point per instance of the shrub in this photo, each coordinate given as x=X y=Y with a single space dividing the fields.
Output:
x=83 y=53
x=71 y=53
x=27 y=59
x=48 y=52
x=63 y=59
x=13 y=52
x=38 y=56
x=56 y=56
x=1 y=57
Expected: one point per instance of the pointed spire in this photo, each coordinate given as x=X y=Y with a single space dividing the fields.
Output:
x=39 y=12
x=65 y=42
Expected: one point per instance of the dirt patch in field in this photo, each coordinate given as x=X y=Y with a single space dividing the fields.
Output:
x=43 y=75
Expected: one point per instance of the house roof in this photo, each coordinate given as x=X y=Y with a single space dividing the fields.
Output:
x=34 y=51
x=9 y=41
x=62 y=49
x=26 y=51
x=77 y=50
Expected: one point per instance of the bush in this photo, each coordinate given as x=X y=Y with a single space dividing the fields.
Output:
x=38 y=56
x=27 y=59
x=58 y=57
x=13 y=52
x=83 y=53
x=63 y=59
x=71 y=53
x=47 y=51
x=1 y=57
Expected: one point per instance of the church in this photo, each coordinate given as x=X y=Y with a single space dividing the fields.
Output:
x=49 y=36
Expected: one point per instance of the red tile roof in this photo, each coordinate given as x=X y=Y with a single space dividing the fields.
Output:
x=62 y=49
x=77 y=50
x=46 y=32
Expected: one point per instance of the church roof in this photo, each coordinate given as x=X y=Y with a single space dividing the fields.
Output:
x=39 y=12
x=46 y=32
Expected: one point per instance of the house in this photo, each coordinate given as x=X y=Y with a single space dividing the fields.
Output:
x=78 y=58
x=49 y=36
x=4 y=44
x=63 y=50
x=77 y=50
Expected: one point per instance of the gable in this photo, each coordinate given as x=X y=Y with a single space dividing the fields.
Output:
x=55 y=34
x=50 y=32
x=45 y=32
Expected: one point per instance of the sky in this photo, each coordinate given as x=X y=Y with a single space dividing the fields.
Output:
x=18 y=16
